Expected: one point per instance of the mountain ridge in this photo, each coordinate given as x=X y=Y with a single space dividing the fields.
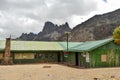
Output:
x=95 y=28
x=50 y=32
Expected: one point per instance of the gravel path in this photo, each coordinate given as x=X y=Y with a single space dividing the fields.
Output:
x=55 y=72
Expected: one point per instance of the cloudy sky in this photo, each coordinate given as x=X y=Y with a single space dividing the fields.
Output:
x=24 y=16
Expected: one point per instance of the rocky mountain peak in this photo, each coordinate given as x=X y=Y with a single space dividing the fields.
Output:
x=48 y=27
x=50 y=32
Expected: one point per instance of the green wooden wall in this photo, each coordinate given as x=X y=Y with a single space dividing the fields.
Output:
x=112 y=52
x=82 y=61
x=46 y=57
x=70 y=59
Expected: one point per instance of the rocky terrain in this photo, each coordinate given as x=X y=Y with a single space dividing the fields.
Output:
x=50 y=32
x=95 y=28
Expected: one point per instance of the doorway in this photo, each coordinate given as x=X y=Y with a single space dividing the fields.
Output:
x=76 y=59
x=59 y=57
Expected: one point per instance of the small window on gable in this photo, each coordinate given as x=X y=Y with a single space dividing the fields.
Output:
x=103 y=58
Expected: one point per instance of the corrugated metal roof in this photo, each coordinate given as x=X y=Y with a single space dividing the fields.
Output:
x=53 y=46
x=35 y=46
x=70 y=44
x=32 y=46
x=2 y=45
x=90 y=45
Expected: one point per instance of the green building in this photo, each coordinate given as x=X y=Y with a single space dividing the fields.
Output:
x=33 y=51
x=101 y=53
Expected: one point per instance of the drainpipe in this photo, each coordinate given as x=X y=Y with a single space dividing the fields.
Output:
x=7 y=59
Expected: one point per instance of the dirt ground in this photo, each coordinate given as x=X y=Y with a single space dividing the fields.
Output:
x=55 y=72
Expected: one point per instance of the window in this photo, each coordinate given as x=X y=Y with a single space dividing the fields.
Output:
x=46 y=55
x=103 y=58
x=51 y=55
x=38 y=55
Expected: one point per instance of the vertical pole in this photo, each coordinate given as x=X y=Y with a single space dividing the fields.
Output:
x=66 y=53
x=67 y=42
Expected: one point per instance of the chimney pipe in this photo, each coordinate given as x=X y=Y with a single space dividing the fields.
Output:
x=7 y=59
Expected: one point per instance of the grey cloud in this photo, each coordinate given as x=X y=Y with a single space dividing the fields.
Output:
x=105 y=1
x=39 y=11
x=16 y=25
x=59 y=8
x=70 y=7
x=17 y=4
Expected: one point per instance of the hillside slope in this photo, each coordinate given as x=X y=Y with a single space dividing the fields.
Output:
x=95 y=28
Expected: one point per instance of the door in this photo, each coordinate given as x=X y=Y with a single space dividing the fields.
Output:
x=59 y=57
x=76 y=59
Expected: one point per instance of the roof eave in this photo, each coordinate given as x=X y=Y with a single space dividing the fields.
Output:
x=99 y=45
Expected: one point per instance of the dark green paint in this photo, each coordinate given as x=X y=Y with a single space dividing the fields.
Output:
x=46 y=57
x=112 y=51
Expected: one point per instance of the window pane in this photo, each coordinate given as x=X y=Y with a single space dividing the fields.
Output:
x=103 y=57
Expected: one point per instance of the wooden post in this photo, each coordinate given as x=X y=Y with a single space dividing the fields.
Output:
x=7 y=59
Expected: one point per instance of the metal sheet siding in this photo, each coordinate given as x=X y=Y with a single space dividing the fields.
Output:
x=111 y=50
x=30 y=57
x=71 y=59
